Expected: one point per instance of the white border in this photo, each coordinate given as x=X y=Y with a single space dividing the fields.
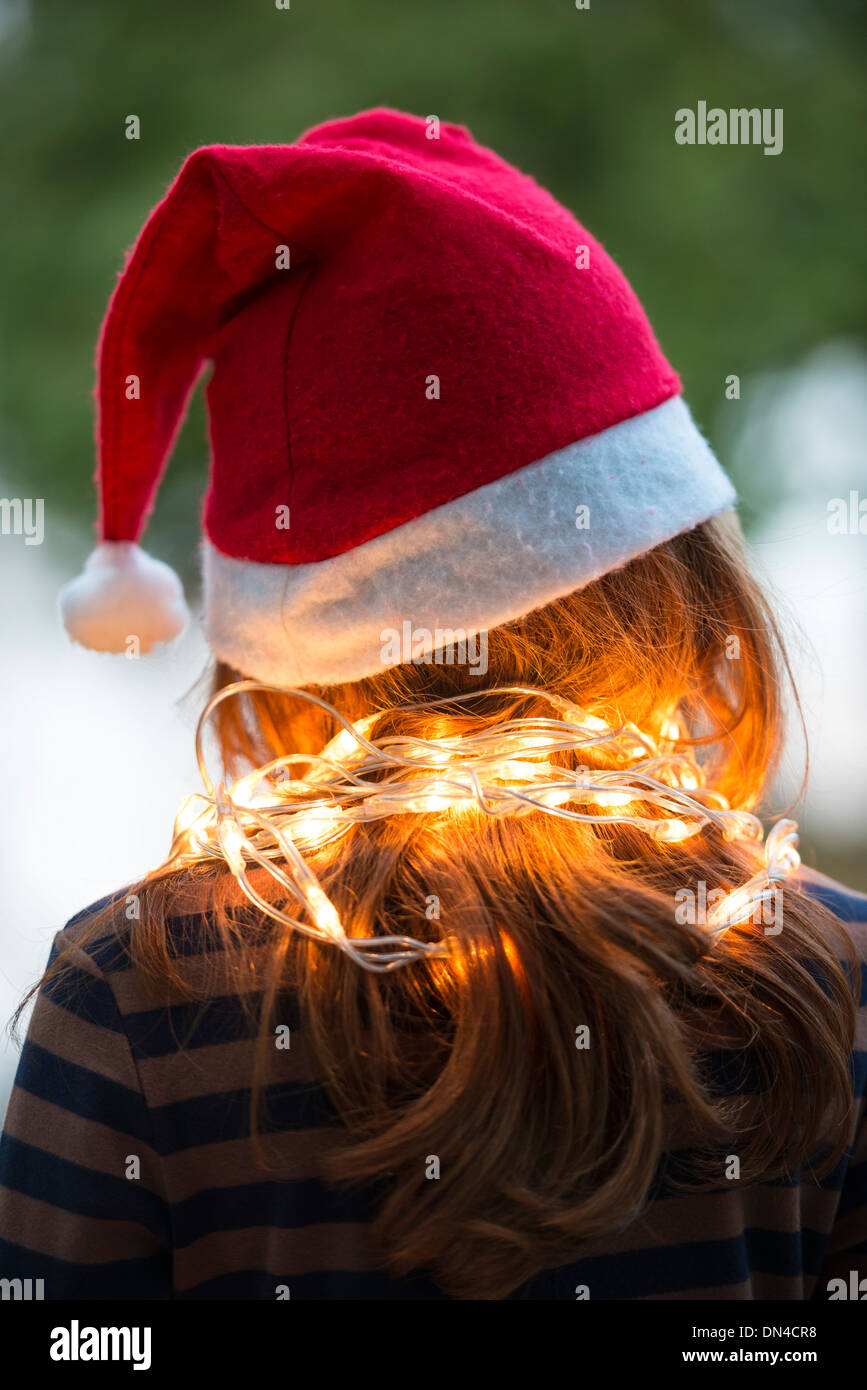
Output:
x=478 y=561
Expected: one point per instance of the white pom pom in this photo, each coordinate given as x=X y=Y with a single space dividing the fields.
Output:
x=123 y=593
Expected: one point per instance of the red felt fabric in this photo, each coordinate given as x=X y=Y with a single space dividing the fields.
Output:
x=410 y=257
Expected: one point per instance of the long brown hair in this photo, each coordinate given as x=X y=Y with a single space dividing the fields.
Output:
x=553 y=927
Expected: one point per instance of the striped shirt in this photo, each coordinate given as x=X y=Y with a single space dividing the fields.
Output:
x=126 y=1170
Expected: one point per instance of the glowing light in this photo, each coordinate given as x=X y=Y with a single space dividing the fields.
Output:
x=312 y=825
x=323 y=911
x=438 y=796
x=439 y=756
x=232 y=844
x=345 y=745
x=671 y=831
x=363 y=783
x=520 y=770
x=733 y=908
x=244 y=794
x=191 y=808
x=603 y=798
x=576 y=715
x=430 y=803
x=555 y=796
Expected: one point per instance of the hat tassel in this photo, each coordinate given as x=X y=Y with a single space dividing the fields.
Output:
x=123 y=595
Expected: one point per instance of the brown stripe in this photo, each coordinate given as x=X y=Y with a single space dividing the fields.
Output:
x=848 y=1231
x=202 y=1071
x=73 y=1039
x=283 y=1253
x=818 y=1206
x=716 y=1215
x=292 y=1157
x=208 y=976
x=66 y=1235
x=68 y=1136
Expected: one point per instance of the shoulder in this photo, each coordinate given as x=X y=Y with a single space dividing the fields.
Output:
x=156 y=944
x=847 y=905
x=96 y=938
x=104 y=931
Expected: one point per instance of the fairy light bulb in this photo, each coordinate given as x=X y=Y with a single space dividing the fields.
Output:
x=555 y=796
x=574 y=714
x=436 y=796
x=604 y=798
x=673 y=831
x=345 y=745
x=519 y=769
x=323 y=911
x=734 y=907
x=439 y=751
x=312 y=825
x=244 y=794
x=530 y=742
x=232 y=843
x=191 y=808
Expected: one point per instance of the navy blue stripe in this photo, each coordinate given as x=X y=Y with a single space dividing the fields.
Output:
x=88 y=1193
x=677 y=1168
x=224 y=1115
x=163 y=1031
x=322 y=1285
x=629 y=1275
x=855 y=1190
x=279 y=1205
x=673 y=1269
x=81 y=1091
x=87 y=996
x=845 y=903
x=187 y=934
x=96 y=907
x=118 y=1280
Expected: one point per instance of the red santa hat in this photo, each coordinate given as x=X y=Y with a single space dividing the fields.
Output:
x=425 y=373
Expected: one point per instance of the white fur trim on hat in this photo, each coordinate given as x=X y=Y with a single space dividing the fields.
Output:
x=123 y=594
x=472 y=564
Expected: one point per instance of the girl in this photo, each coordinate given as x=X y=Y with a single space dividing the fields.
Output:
x=462 y=979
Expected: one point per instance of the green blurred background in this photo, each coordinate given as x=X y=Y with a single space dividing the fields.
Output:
x=741 y=259
x=746 y=263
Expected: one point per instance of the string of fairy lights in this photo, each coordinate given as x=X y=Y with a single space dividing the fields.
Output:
x=274 y=816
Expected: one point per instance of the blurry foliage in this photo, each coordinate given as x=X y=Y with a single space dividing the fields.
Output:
x=742 y=260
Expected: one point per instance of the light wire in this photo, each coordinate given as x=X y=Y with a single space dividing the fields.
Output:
x=270 y=817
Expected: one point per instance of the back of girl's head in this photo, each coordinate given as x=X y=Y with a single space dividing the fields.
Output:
x=547 y=1063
